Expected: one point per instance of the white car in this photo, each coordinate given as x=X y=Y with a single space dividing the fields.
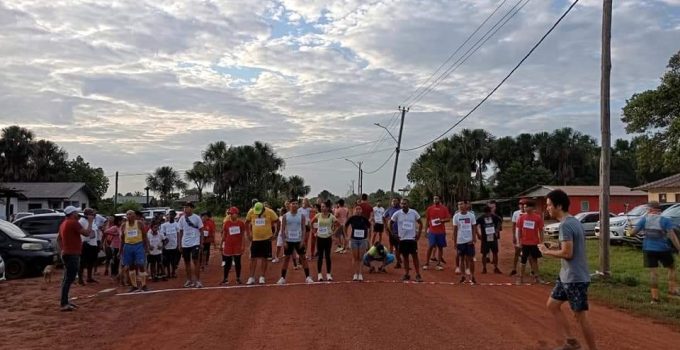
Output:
x=588 y=219
x=618 y=225
x=2 y=269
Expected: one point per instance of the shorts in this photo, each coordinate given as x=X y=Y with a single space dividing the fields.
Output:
x=530 y=251
x=394 y=240
x=89 y=255
x=465 y=249
x=191 y=253
x=170 y=257
x=389 y=258
x=279 y=241
x=379 y=228
x=261 y=249
x=134 y=254
x=652 y=259
x=436 y=239
x=355 y=244
x=408 y=247
x=154 y=259
x=294 y=246
x=489 y=247
x=575 y=293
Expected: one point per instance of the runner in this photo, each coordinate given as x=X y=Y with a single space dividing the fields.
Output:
x=405 y=221
x=489 y=232
x=90 y=249
x=279 y=236
x=171 y=255
x=380 y=254
x=437 y=216
x=70 y=233
x=378 y=218
x=341 y=213
x=259 y=222
x=515 y=234
x=392 y=230
x=657 y=247
x=232 y=244
x=294 y=236
x=324 y=225
x=155 y=251
x=358 y=229
x=308 y=212
x=464 y=226
x=574 y=278
x=530 y=227
x=191 y=242
x=134 y=252
x=208 y=237
x=366 y=207
x=112 y=239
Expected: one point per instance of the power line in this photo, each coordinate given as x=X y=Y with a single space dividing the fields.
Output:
x=330 y=150
x=343 y=157
x=502 y=81
x=382 y=166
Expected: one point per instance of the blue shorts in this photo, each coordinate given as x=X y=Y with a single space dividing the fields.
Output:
x=355 y=244
x=575 y=293
x=437 y=239
x=466 y=249
x=134 y=254
x=389 y=258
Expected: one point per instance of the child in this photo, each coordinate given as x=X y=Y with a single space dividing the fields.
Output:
x=232 y=244
x=155 y=251
x=378 y=253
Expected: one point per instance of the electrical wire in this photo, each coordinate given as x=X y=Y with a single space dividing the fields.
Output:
x=381 y=166
x=338 y=158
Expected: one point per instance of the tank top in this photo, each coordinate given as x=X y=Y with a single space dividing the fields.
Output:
x=655 y=238
x=133 y=235
x=293 y=227
x=325 y=229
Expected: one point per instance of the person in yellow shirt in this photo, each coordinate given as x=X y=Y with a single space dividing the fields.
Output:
x=134 y=251
x=259 y=223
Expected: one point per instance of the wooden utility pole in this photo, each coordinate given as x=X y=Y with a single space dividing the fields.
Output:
x=606 y=137
x=115 y=196
x=396 y=156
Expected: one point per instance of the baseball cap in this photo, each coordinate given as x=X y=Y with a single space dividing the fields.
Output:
x=233 y=210
x=70 y=210
x=258 y=208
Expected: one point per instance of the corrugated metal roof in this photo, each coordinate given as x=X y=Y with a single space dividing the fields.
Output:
x=50 y=190
x=668 y=182
x=543 y=190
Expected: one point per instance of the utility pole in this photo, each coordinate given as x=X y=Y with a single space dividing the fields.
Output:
x=605 y=129
x=352 y=187
x=360 y=185
x=396 y=156
x=115 y=196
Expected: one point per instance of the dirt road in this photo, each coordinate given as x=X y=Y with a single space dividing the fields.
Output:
x=380 y=313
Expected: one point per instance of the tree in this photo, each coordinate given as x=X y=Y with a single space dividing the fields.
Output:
x=163 y=181
x=480 y=145
x=80 y=171
x=201 y=176
x=48 y=162
x=297 y=187
x=15 y=152
x=129 y=205
x=655 y=116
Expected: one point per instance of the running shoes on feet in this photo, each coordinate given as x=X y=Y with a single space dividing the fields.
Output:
x=261 y=281
x=496 y=270
x=281 y=281
x=355 y=277
x=418 y=278
x=360 y=278
x=224 y=283
x=188 y=284
x=457 y=270
x=329 y=278
x=198 y=284
x=250 y=281
x=426 y=266
x=144 y=289
x=462 y=279
x=439 y=267
x=406 y=278
x=133 y=290
x=319 y=277
x=309 y=280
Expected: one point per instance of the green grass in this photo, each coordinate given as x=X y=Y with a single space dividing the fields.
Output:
x=628 y=286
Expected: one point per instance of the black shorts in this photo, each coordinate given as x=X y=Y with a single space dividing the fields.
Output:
x=530 y=251
x=89 y=255
x=408 y=247
x=294 y=246
x=465 y=249
x=489 y=247
x=170 y=257
x=394 y=240
x=652 y=259
x=153 y=259
x=379 y=228
x=261 y=249
x=206 y=247
x=191 y=253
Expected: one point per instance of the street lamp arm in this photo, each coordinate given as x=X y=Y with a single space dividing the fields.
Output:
x=388 y=131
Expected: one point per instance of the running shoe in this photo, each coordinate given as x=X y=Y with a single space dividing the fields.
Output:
x=338 y=249
x=473 y=280
x=262 y=281
x=319 y=277
x=145 y=289
x=355 y=277
x=360 y=278
x=132 y=290
x=462 y=279
x=457 y=270
x=329 y=278
x=73 y=305
x=418 y=278
x=250 y=281
x=426 y=266
x=497 y=271
x=281 y=281
x=67 y=308
x=309 y=280
x=438 y=267
x=275 y=260
x=198 y=284
x=188 y=284
x=406 y=278
x=224 y=283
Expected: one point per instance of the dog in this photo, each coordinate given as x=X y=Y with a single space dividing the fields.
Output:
x=47 y=274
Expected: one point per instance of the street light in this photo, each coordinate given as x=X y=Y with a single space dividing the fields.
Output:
x=388 y=131
x=361 y=175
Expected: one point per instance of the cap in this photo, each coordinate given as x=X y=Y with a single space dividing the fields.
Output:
x=233 y=210
x=189 y=204
x=70 y=210
x=258 y=208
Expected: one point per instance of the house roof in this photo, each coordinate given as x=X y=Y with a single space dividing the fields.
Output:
x=543 y=190
x=49 y=190
x=668 y=182
x=136 y=199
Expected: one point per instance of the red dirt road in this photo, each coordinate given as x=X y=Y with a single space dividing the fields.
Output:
x=388 y=315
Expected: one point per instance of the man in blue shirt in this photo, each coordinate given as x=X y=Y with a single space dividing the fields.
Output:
x=657 y=247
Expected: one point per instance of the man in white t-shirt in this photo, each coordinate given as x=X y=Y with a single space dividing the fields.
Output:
x=377 y=218
x=191 y=242
x=464 y=226
x=515 y=234
x=90 y=248
x=406 y=221
x=155 y=239
x=170 y=230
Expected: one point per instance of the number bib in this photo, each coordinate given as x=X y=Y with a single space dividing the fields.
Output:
x=294 y=235
x=436 y=222
x=529 y=225
x=206 y=233
x=323 y=230
x=490 y=230
x=490 y=238
x=132 y=233
x=260 y=222
x=234 y=230
x=407 y=225
x=466 y=226
x=359 y=233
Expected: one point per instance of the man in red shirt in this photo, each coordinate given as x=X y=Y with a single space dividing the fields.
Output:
x=208 y=232
x=366 y=208
x=530 y=229
x=437 y=215
x=69 y=240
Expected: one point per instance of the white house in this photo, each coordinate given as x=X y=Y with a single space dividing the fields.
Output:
x=24 y=196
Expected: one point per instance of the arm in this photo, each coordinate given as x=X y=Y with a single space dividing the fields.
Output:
x=566 y=250
x=86 y=232
x=180 y=236
x=674 y=239
x=284 y=230
x=315 y=230
x=478 y=232
x=455 y=234
x=303 y=226
x=420 y=229
x=474 y=236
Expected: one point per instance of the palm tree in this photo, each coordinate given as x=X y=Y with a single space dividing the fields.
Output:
x=479 y=142
x=48 y=162
x=15 y=152
x=200 y=175
x=163 y=181
x=297 y=187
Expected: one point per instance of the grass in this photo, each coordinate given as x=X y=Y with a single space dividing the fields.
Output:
x=628 y=286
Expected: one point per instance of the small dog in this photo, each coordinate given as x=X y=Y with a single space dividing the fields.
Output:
x=47 y=274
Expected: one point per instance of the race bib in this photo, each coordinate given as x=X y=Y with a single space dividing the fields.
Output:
x=260 y=222
x=234 y=230
x=407 y=225
x=529 y=225
x=490 y=230
x=206 y=233
x=132 y=233
x=323 y=230
x=293 y=234
x=359 y=233
x=436 y=222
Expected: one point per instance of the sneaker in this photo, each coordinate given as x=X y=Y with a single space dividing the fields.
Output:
x=339 y=250
x=457 y=270
x=261 y=281
x=329 y=277
x=275 y=260
x=513 y=272
x=73 y=305
x=462 y=279
x=250 y=281
x=281 y=281
x=439 y=268
x=473 y=280
x=360 y=277
x=406 y=278
x=497 y=271
x=418 y=278
x=355 y=277
x=67 y=308
x=309 y=280
x=198 y=284
x=224 y=283
x=570 y=344
x=426 y=266
x=188 y=284
x=144 y=289
x=319 y=277
x=132 y=290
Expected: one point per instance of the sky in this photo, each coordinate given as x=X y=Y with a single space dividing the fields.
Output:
x=134 y=85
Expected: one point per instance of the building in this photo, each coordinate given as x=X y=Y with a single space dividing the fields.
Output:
x=666 y=190
x=144 y=201
x=25 y=196
x=587 y=198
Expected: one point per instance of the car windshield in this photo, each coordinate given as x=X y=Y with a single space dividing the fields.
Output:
x=580 y=216
x=638 y=211
x=12 y=230
x=672 y=212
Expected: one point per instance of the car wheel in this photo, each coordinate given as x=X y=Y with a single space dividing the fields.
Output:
x=15 y=268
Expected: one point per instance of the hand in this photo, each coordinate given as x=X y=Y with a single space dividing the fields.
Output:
x=543 y=249
x=285 y=246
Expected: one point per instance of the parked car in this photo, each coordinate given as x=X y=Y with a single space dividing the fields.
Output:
x=18 y=216
x=23 y=254
x=41 y=211
x=588 y=219
x=617 y=225
x=2 y=269
x=672 y=213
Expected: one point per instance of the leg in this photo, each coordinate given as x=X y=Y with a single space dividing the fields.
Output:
x=515 y=260
x=672 y=286
x=321 y=251
x=555 y=308
x=327 y=248
x=654 y=283
x=187 y=267
x=416 y=262
x=253 y=266
x=71 y=267
x=428 y=255
x=197 y=265
x=586 y=327
x=226 y=266
x=237 y=259
x=407 y=267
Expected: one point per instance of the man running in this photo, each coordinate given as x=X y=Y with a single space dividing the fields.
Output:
x=341 y=213
x=192 y=240
x=134 y=251
x=530 y=227
x=392 y=230
x=358 y=229
x=437 y=215
x=489 y=232
x=378 y=218
x=464 y=226
x=294 y=237
x=70 y=233
x=574 y=278
x=170 y=230
x=259 y=221
x=515 y=234
x=657 y=248
x=406 y=220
